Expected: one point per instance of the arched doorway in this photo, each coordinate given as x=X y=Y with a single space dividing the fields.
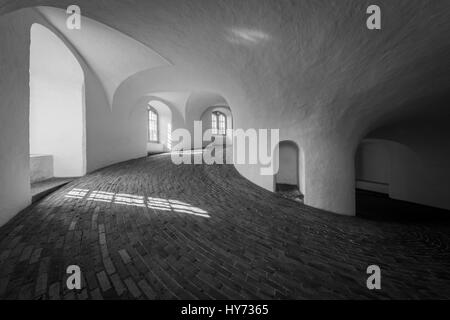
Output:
x=287 y=180
x=57 y=109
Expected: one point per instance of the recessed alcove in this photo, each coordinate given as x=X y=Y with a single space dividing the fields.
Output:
x=287 y=179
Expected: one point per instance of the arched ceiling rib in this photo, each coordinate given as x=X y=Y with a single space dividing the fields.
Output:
x=176 y=99
x=304 y=64
x=113 y=55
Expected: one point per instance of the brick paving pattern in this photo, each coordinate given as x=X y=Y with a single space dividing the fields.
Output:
x=148 y=229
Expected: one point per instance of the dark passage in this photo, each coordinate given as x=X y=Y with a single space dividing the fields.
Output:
x=378 y=206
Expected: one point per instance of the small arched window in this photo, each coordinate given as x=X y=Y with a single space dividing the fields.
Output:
x=152 y=125
x=218 y=123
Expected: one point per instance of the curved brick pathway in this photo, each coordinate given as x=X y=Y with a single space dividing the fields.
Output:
x=149 y=229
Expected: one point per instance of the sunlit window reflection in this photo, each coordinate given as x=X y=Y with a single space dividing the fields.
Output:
x=77 y=193
x=101 y=196
x=188 y=152
x=130 y=200
x=158 y=204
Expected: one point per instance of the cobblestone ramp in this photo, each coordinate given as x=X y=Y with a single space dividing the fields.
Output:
x=148 y=229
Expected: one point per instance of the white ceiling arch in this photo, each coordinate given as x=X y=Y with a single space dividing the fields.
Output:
x=113 y=55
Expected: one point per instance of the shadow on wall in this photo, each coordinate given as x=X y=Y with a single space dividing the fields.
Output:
x=398 y=171
x=373 y=166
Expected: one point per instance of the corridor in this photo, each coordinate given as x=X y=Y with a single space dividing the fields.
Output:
x=148 y=229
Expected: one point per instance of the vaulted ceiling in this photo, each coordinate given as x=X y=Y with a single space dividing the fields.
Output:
x=315 y=61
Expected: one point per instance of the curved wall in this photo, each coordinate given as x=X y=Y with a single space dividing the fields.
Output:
x=419 y=157
x=102 y=138
x=373 y=166
x=14 y=114
x=312 y=70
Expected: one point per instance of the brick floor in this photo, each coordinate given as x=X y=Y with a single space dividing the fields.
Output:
x=149 y=229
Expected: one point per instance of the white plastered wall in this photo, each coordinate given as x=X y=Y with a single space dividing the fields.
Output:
x=57 y=106
x=14 y=114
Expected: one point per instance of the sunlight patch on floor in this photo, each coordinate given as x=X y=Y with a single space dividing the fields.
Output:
x=159 y=204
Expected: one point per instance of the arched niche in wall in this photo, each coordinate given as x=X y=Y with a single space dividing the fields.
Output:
x=199 y=107
x=289 y=180
x=169 y=118
x=57 y=108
